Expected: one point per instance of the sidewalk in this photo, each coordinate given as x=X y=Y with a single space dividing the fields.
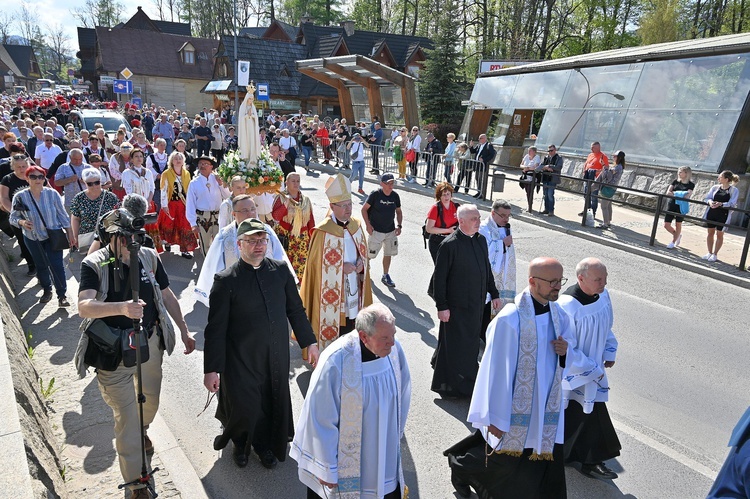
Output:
x=630 y=231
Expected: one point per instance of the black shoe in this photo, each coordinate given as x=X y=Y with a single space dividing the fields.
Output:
x=462 y=489
x=63 y=302
x=239 y=456
x=545 y=212
x=46 y=297
x=580 y=214
x=598 y=471
x=374 y=172
x=426 y=184
x=167 y=247
x=186 y=254
x=32 y=271
x=477 y=195
x=466 y=191
x=268 y=460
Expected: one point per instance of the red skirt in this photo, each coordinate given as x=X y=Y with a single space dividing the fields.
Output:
x=153 y=229
x=175 y=228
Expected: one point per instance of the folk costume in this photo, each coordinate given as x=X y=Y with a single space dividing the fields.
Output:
x=332 y=299
x=519 y=391
x=352 y=421
x=295 y=223
x=140 y=180
x=174 y=227
x=224 y=253
x=204 y=197
x=590 y=437
x=247 y=342
x=460 y=283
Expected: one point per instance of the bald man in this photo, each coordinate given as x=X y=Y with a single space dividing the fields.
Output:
x=517 y=405
x=590 y=437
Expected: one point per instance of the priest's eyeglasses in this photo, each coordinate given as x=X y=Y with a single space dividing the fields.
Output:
x=255 y=242
x=555 y=283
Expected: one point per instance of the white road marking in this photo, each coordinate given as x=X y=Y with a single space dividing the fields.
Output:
x=644 y=301
x=666 y=450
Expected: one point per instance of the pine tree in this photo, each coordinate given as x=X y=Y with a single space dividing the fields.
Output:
x=439 y=86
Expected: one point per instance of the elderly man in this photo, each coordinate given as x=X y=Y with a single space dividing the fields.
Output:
x=204 y=197
x=348 y=439
x=224 y=251
x=247 y=343
x=460 y=283
x=118 y=163
x=379 y=212
x=46 y=152
x=502 y=253
x=590 y=437
x=517 y=405
x=280 y=159
x=336 y=283
x=164 y=130
x=69 y=176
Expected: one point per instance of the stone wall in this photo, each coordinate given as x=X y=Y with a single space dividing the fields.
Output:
x=42 y=451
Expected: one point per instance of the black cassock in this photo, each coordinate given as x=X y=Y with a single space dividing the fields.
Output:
x=247 y=342
x=460 y=283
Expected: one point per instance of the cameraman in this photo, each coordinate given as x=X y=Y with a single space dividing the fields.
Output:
x=100 y=297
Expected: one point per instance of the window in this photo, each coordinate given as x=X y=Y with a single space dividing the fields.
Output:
x=188 y=56
x=223 y=70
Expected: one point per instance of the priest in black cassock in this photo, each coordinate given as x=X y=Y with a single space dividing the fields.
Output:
x=459 y=286
x=247 y=349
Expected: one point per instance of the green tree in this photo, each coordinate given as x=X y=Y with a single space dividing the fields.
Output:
x=323 y=12
x=659 y=22
x=439 y=86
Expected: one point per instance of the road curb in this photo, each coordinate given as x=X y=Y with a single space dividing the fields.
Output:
x=179 y=467
x=630 y=247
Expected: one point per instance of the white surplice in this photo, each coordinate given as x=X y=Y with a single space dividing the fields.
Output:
x=224 y=253
x=316 y=441
x=492 y=400
x=595 y=340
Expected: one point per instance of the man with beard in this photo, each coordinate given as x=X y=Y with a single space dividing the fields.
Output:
x=247 y=345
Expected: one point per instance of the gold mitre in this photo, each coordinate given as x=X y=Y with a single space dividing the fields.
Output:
x=338 y=189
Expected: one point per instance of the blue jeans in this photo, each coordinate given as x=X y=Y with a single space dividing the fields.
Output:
x=549 y=196
x=307 y=152
x=358 y=170
x=591 y=174
x=170 y=143
x=42 y=253
x=447 y=173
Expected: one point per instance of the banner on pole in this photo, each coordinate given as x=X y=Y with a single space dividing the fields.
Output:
x=243 y=73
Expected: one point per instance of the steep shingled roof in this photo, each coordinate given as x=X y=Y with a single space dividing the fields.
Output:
x=21 y=56
x=117 y=49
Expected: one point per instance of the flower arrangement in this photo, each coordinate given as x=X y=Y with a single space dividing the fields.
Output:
x=262 y=176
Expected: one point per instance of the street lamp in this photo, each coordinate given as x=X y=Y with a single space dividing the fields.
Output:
x=589 y=96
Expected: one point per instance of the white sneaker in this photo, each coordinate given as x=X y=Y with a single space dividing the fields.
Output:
x=671 y=245
x=707 y=256
x=677 y=242
x=713 y=258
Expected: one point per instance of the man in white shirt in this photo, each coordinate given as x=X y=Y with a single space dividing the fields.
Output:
x=204 y=196
x=46 y=153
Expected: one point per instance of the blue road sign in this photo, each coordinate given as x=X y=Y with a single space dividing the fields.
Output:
x=122 y=86
x=137 y=101
x=263 y=92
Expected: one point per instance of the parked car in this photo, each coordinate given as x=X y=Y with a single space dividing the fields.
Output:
x=87 y=118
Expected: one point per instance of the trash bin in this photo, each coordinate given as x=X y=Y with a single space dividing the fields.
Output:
x=498 y=180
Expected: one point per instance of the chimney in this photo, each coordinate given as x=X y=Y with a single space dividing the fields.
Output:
x=348 y=27
x=305 y=19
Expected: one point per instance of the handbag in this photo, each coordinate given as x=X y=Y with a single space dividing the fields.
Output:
x=85 y=239
x=355 y=154
x=411 y=156
x=103 y=351
x=57 y=238
x=607 y=191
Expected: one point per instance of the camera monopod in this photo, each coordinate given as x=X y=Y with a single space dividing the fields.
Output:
x=134 y=247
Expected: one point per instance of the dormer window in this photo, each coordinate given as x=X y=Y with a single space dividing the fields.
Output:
x=187 y=52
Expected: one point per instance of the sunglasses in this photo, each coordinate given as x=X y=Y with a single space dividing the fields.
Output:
x=19 y=156
x=96 y=182
x=48 y=140
x=36 y=177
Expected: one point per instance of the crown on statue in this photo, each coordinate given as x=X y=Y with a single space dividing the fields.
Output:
x=251 y=88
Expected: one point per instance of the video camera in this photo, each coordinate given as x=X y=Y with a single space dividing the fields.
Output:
x=121 y=221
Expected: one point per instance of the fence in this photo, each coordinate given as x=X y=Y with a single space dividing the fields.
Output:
x=592 y=188
x=429 y=168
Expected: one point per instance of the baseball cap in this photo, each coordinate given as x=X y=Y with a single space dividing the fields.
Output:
x=387 y=177
x=250 y=226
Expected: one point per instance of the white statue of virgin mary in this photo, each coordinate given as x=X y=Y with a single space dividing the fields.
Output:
x=248 y=135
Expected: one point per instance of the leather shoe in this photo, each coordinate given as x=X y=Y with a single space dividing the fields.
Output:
x=462 y=489
x=267 y=459
x=240 y=458
x=46 y=297
x=598 y=471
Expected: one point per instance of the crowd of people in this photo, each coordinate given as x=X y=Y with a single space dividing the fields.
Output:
x=270 y=272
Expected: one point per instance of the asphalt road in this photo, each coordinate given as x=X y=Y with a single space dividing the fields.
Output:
x=676 y=387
